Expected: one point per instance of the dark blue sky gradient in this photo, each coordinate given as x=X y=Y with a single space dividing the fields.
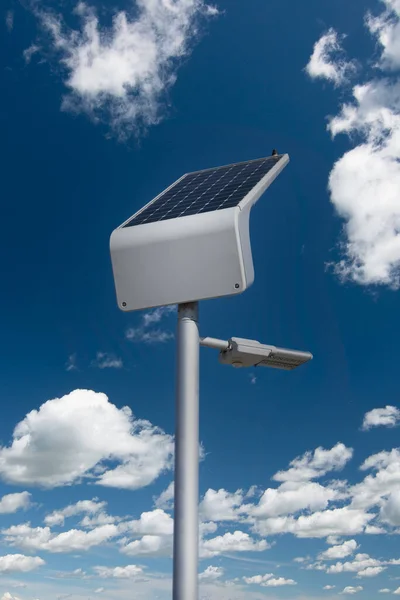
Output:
x=66 y=185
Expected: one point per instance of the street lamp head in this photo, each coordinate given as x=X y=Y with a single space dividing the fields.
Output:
x=192 y=242
x=250 y=353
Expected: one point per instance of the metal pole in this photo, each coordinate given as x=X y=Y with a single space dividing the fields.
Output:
x=186 y=519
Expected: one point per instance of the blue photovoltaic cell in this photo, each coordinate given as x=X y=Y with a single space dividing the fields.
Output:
x=205 y=191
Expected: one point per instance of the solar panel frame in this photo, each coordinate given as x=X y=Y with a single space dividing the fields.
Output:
x=250 y=197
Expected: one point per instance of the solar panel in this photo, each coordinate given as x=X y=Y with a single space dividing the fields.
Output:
x=205 y=191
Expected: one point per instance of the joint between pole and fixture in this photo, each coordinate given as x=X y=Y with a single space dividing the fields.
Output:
x=188 y=310
x=210 y=342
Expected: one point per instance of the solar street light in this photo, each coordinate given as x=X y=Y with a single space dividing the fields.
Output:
x=190 y=243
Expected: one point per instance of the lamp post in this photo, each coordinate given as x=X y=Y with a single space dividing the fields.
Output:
x=186 y=481
x=190 y=243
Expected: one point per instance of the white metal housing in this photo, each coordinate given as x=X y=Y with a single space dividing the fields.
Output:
x=250 y=353
x=189 y=258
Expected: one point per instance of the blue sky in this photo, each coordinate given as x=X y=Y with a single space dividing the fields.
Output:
x=103 y=107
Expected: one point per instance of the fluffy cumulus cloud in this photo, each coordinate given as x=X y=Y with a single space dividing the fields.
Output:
x=381 y=417
x=121 y=73
x=339 y=551
x=352 y=590
x=291 y=498
x=58 y=517
x=156 y=522
x=10 y=503
x=327 y=60
x=364 y=182
x=268 y=580
x=320 y=524
x=362 y=565
x=127 y=572
x=211 y=574
x=42 y=538
x=18 y=563
x=238 y=541
x=77 y=436
x=380 y=487
x=316 y=464
x=149 y=545
x=221 y=505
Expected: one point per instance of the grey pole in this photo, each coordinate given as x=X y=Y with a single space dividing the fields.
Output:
x=186 y=520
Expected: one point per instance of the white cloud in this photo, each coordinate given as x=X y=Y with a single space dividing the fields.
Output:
x=207 y=528
x=339 y=551
x=327 y=61
x=73 y=437
x=211 y=573
x=101 y=518
x=153 y=336
x=99 y=590
x=75 y=574
x=316 y=464
x=292 y=497
x=10 y=20
x=258 y=579
x=381 y=417
x=127 y=572
x=352 y=590
x=107 y=361
x=91 y=507
x=41 y=538
x=278 y=582
x=268 y=580
x=121 y=74
x=71 y=365
x=364 y=182
x=301 y=559
x=390 y=511
x=363 y=565
x=8 y=596
x=145 y=331
x=221 y=505
x=156 y=522
x=337 y=521
x=27 y=54
x=386 y=28
x=397 y=592
x=333 y=540
x=370 y=572
x=18 y=563
x=238 y=541
x=13 y=502
x=329 y=587
x=374 y=530
x=166 y=499
x=384 y=591
x=149 y=545
x=156 y=315
x=380 y=485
